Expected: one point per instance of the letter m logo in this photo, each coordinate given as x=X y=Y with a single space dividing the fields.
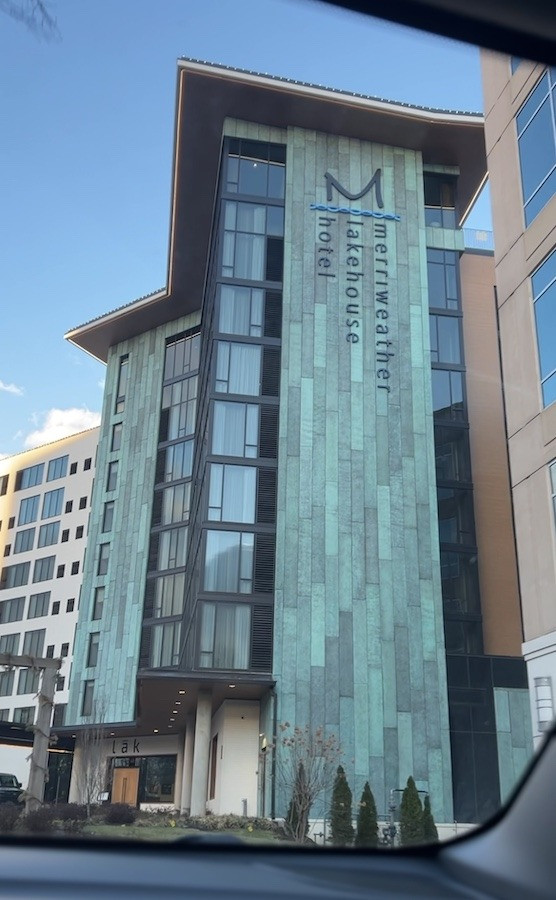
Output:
x=375 y=182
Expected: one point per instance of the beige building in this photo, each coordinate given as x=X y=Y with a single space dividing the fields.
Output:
x=520 y=117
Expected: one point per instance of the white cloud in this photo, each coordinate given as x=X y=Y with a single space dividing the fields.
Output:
x=59 y=423
x=11 y=389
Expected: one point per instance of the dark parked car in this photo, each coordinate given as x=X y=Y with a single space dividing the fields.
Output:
x=10 y=788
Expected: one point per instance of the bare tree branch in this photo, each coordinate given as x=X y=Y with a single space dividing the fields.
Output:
x=35 y=15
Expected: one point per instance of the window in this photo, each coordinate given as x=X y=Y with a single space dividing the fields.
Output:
x=455 y=516
x=235 y=429
x=225 y=635
x=182 y=356
x=544 y=297
x=103 y=557
x=11 y=522
x=28 y=510
x=253 y=244
x=6 y=683
x=79 y=531
x=82 y=502
x=98 y=603
x=172 y=504
x=70 y=604
x=536 y=135
x=48 y=534
x=87 y=702
x=255 y=168
x=4 y=715
x=15 y=576
x=55 y=608
x=172 y=549
x=52 y=503
x=232 y=493
x=229 y=562
x=28 y=681
x=92 y=653
x=12 y=610
x=447 y=394
x=9 y=643
x=24 y=540
x=33 y=642
x=112 y=479
x=87 y=464
x=69 y=506
x=60 y=682
x=44 y=568
x=440 y=201
x=122 y=384
x=75 y=568
x=50 y=651
x=29 y=477
x=65 y=536
x=24 y=715
x=57 y=468
x=241 y=310
x=60 y=571
x=165 y=644
x=179 y=403
x=73 y=468
x=116 y=441
x=445 y=339
x=176 y=462
x=442 y=279
x=238 y=368
x=38 y=605
x=169 y=594
x=59 y=714
x=7 y=549
x=157 y=779
x=64 y=650
x=108 y=516
x=4 y=484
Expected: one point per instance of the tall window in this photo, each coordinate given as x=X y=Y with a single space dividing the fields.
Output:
x=52 y=503
x=28 y=510
x=87 y=702
x=235 y=429
x=122 y=384
x=29 y=477
x=536 y=135
x=447 y=395
x=6 y=683
x=48 y=534
x=38 y=605
x=229 y=562
x=108 y=516
x=103 y=557
x=24 y=540
x=33 y=642
x=112 y=478
x=98 y=603
x=9 y=643
x=179 y=402
x=241 y=310
x=232 y=493
x=253 y=241
x=92 y=653
x=28 y=681
x=177 y=461
x=445 y=339
x=238 y=368
x=165 y=647
x=172 y=548
x=172 y=504
x=116 y=442
x=440 y=201
x=57 y=468
x=44 y=569
x=169 y=595
x=225 y=635
x=182 y=356
x=544 y=298
x=12 y=610
x=15 y=576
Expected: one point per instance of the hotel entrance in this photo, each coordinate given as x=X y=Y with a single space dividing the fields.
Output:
x=125 y=782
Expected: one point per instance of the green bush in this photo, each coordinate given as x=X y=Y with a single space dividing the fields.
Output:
x=367 y=824
x=229 y=822
x=340 y=811
x=39 y=821
x=65 y=812
x=430 y=833
x=411 y=816
x=120 y=814
x=9 y=815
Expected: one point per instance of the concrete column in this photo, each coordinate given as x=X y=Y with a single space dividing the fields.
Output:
x=187 y=774
x=199 y=781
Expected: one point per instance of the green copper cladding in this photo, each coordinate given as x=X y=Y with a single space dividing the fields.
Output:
x=114 y=675
x=359 y=644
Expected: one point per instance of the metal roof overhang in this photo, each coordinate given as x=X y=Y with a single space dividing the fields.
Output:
x=208 y=94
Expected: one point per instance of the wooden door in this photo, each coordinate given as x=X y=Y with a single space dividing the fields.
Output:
x=125 y=786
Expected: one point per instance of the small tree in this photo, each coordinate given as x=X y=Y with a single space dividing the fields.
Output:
x=340 y=811
x=367 y=821
x=305 y=761
x=430 y=834
x=411 y=815
x=297 y=823
x=91 y=772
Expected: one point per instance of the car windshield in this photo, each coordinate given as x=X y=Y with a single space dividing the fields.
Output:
x=277 y=517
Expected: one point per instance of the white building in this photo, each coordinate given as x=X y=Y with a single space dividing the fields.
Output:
x=45 y=497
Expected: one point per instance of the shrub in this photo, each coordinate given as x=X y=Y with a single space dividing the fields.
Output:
x=39 y=821
x=65 y=812
x=367 y=824
x=430 y=834
x=340 y=811
x=411 y=816
x=9 y=814
x=120 y=814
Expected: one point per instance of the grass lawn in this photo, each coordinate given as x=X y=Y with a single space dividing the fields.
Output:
x=166 y=833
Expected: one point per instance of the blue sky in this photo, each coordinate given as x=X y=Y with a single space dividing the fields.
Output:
x=86 y=160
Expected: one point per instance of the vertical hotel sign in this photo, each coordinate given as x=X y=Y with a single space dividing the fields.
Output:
x=345 y=234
